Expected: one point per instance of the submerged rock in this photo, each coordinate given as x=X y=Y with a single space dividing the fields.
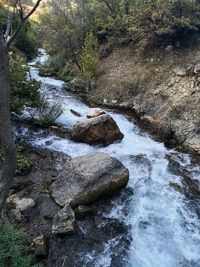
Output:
x=74 y=112
x=64 y=221
x=102 y=129
x=87 y=178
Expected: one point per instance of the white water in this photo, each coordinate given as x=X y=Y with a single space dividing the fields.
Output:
x=165 y=231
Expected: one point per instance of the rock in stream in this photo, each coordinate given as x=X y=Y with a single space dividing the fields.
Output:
x=99 y=130
x=87 y=178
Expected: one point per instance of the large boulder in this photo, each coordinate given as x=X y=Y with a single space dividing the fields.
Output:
x=87 y=178
x=99 y=130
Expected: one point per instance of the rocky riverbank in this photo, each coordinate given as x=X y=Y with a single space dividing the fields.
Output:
x=64 y=201
x=162 y=90
x=32 y=207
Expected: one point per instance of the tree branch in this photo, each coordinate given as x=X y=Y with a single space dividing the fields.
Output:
x=23 y=20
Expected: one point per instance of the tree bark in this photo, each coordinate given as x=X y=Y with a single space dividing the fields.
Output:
x=6 y=140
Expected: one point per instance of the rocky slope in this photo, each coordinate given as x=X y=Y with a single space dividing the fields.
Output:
x=162 y=88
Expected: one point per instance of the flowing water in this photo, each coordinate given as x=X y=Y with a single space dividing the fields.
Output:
x=164 y=223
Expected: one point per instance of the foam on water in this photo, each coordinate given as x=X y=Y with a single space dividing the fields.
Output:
x=165 y=231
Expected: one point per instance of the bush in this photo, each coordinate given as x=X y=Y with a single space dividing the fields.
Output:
x=48 y=114
x=26 y=41
x=24 y=163
x=12 y=249
x=51 y=67
x=153 y=22
x=90 y=57
x=24 y=91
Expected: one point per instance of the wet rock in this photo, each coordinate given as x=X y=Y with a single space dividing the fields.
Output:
x=77 y=114
x=95 y=112
x=64 y=221
x=100 y=130
x=82 y=211
x=71 y=251
x=41 y=246
x=190 y=187
x=87 y=178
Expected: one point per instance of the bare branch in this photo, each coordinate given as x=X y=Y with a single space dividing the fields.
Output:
x=10 y=21
x=23 y=20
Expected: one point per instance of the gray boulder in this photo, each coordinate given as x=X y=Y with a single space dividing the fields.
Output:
x=102 y=129
x=64 y=221
x=87 y=178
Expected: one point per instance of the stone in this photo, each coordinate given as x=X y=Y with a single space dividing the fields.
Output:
x=41 y=246
x=100 y=130
x=114 y=101
x=21 y=204
x=87 y=178
x=24 y=204
x=64 y=222
x=74 y=112
x=169 y=48
x=95 y=112
x=197 y=69
x=180 y=72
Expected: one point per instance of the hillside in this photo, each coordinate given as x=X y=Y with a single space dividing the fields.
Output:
x=162 y=88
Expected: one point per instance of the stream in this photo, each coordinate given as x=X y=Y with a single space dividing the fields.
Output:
x=162 y=218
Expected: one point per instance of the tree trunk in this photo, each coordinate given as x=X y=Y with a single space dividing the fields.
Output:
x=6 y=141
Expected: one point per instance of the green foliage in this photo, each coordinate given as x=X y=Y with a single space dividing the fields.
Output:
x=26 y=40
x=90 y=57
x=24 y=163
x=2 y=16
x=24 y=91
x=48 y=114
x=12 y=250
x=2 y=155
x=152 y=22
x=52 y=66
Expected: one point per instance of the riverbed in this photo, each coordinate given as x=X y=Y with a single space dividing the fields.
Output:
x=162 y=218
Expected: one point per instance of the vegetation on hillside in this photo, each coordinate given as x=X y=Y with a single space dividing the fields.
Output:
x=145 y=23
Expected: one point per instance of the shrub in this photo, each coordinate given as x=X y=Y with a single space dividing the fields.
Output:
x=153 y=22
x=48 y=114
x=12 y=250
x=90 y=57
x=24 y=163
x=51 y=67
x=26 y=41
x=24 y=91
